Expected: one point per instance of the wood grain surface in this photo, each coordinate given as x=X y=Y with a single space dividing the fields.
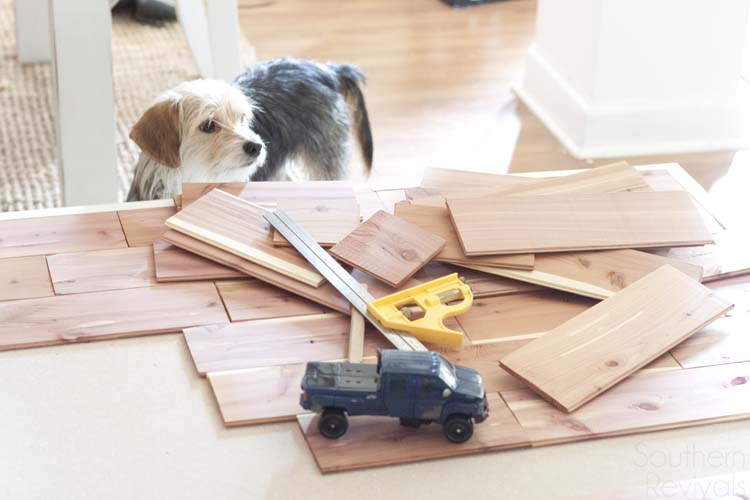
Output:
x=436 y=220
x=24 y=278
x=175 y=264
x=325 y=294
x=556 y=223
x=61 y=233
x=258 y=395
x=377 y=441
x=270 y=342
x=143 y=227
x=388 y=248
x=250 y=299
x=113 y=314
x=520 y=316
x=598 y=274
x=102 y=270
x=236 y=226
x=269 y=193
x=585 y=356
x=647 y=401
x=328 y=221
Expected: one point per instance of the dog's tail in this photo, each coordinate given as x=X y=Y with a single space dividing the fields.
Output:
x=350 y=78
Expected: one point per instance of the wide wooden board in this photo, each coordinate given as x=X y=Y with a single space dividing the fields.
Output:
x=520 y=316
x=100 y=315
x=388 y=248
x=250 y=299
x=102 y=270
x=556 y=223
x=378 y=441
x=325 y=294
x=327 y=221
x=598 y=274
x=143 y=227
x=269 y=193
x=270 y=342
x=24 y=278
x=175 y=264
x=238 y=227
x=258 y=395
x=647 y=401
x=60 y=233
x=585 y=356
x=436 y=220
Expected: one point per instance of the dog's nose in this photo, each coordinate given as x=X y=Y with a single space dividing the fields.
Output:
x=252 y=148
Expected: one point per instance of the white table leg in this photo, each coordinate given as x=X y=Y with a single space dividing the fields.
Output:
x=213 y=33
x=82 y=54
x=32 y=31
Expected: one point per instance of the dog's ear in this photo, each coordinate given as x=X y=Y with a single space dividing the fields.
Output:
x=157 y=133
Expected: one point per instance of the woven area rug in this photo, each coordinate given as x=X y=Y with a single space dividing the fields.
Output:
x=147 y=60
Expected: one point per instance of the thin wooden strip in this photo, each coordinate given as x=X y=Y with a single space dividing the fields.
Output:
x=325 y=295
x=143 y=227
x=647 y=401
x=328 y=221
x=388 y=248
x=436 y=220
x=597 y=275
x=102 y=270
x=270 y=342
x=175 y=264
x=24 y=278
x=378 y=441
x=251 y=299
x=520 y=315
x=585 y=356
x=60 y=233
x=238 y=227
x=102 y=315
x=258 y=395
x=555 y=223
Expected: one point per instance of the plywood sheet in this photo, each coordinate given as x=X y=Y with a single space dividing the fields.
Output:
x=520 y=316
x=325 y=294
x=644 y=402
x=258 y=395
x=378 y=441
x=113 y=314
x=436 y=220
x=597 y=274
x=327 y=221
x=280 y=341
x=238 y=227
x=143 y=227
x=24 y=278
x=175 y=264
x=388 y=248
x=250 y=299
x=60 y=233
x=585 y=356
x=556 y=223
x=102 y=270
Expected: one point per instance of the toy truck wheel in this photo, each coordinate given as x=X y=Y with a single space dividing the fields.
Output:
x=458 y=428
x=333 y=424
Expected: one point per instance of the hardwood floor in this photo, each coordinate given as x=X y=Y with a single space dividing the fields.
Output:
x=439 y=83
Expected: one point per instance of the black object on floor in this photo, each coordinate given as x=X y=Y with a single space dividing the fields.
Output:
x=468 y=3
x=153 y=12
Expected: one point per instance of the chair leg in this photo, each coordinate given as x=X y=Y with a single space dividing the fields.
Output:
x=84 y=104
x=32 y=31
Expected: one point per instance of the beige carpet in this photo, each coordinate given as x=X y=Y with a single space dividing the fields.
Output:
x=147 y=60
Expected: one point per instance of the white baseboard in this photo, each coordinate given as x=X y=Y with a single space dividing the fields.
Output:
x=615 y=129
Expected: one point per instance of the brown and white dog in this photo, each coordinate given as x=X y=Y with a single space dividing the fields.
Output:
x=284 y=119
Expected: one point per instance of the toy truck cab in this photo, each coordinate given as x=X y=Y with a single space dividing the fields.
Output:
x=417 y=387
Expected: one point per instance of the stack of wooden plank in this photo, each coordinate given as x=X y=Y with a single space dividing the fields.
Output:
x=587 y=292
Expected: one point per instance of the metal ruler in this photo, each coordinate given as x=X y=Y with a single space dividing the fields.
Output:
x=337 y=276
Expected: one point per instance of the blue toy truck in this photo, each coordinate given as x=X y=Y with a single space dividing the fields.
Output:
x=417 y=387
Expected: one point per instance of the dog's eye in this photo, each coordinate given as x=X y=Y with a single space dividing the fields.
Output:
x=208 y=126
